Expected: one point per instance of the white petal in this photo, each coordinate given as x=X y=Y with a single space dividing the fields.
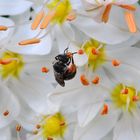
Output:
x=8 y=103
x=5 y=134
x=87 y=112
x=98 y=128
x=15 y=7
x=6 y=34
x=34 y=92
x=123 y=129
x=102 y=32
x=25 y=32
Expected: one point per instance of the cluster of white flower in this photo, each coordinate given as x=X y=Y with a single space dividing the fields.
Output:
x=70 y=70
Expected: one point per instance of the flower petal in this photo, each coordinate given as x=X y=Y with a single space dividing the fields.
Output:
x=15 y=7
x=102 y=32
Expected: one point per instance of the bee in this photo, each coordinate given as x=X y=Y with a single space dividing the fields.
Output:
x=64 y=67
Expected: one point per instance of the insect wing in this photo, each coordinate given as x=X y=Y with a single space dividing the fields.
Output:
x=59 y=78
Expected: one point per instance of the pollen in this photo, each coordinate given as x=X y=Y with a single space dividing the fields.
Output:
x=84 y=80
x=18 y=128
x=37 y=20
x=96 y=80
x=96 y=54
x=116 y=63
x=44 y=70
x=11 y=65
x=29 y=42
x=105 y=110
x=6 y=113
x=121 y=94
x=54 y=126
x=129 y=17
x=80 y=52
x=3 y=28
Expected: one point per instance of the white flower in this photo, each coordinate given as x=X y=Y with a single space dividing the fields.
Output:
x=116 y=30
x=121 y=109
x=24 y=80
x=8 y=8
x=57 y=125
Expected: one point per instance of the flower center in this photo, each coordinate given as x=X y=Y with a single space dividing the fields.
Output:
x=62 y=9
x=53 y=126
x=96 y=53
x=125 y=97
x=11 y=64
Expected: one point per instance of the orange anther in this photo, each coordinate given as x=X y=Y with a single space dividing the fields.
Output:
x=135 y=98
x=62 y=123
x=38 y=126
x=18 y=127
x=129 y=17
x=94 y=51
x=71 y=16
x=80 y=52
x=6 y=113
x=3 y=28
x=47 y=20
x=116 y=63
x=6 y=61
x=49 y=138
x=106 y=13
x=84 y=80
x=29 y=42
x=105 y=110
x=45 y=70
x=124 y=91
x=37 y=20
x=96 y=80
x=128 y=7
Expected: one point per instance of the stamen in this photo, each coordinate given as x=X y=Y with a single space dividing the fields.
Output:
x=3 y=28
x=135 y=98
x=37 y=20
x=105 y=110
x=84 y=80
x=49 y=138
x=47 y=20
x=6 y=113
x=95 y=51
x=106 y=13
x=35 y=132
x=96 y=80
x=71 y=16
x=45 y=70
x=116 y=63
x=80 y=52
x=62 y=123
x=128 y=7
x=129 y=17
x=18 y=128
x=6 y=61
x=29 y=42
x=124 y=91
x=38 y=126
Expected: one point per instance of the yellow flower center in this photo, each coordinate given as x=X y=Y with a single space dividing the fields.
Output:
x=53 y=126
x=62 y=9
x=12 y=64
x=96 y=53
x=125 y=97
